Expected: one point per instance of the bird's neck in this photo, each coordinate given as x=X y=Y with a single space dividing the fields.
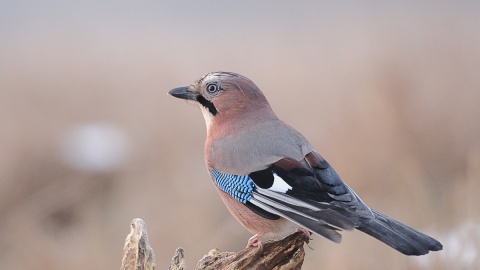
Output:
x=231 y=122
x=224 y=132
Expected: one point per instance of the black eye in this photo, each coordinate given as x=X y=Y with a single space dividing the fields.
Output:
x=212 y=88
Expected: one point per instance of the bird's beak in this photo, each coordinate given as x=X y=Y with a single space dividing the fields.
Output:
x=183 y=93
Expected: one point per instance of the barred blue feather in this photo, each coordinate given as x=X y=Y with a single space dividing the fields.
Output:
x=239 y=187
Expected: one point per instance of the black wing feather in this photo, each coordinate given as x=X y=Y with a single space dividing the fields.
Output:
x=261 y=212
x=319 y=201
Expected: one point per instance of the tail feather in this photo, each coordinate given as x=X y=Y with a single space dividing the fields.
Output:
x=397 y=235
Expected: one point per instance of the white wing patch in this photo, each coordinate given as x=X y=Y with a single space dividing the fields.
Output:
x=279 y=185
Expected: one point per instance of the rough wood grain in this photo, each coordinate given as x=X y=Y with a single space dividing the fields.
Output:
x=286 y=253
x=178 y=260
x=137 y=253
x=282 y=254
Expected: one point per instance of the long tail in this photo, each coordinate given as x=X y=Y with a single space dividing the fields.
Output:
x=397 y=235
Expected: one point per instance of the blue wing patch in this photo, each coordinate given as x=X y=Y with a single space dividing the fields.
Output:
x=239 y=187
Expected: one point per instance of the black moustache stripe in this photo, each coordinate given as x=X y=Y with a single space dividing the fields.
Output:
x=207 y=104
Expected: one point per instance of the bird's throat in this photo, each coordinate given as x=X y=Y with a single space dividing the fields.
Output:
x=207 y=116
x=207 y=104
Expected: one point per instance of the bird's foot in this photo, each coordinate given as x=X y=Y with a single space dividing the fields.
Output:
x=305 y=231
x=307 y=235
x=254 y=241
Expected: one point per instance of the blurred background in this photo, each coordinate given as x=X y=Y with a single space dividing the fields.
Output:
x=389 y=93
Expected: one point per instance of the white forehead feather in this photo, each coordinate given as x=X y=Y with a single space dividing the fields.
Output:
x=215 y=76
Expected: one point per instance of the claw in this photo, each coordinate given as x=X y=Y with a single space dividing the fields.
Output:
x=307 y=235
x=306 y=232
x=254 y=241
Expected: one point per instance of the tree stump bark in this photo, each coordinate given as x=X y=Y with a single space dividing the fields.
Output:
x=282 y=254
x=286 y=253
x=137 y=253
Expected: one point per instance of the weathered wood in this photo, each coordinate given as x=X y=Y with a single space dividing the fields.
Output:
x=282 y=254
x=286 y=253
x=137 y=253
x=178 y=260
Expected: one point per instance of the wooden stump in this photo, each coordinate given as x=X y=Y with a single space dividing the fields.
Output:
x=286 y=253
x=137 y=253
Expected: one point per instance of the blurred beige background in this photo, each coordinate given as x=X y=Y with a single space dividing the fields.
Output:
x=389 y=93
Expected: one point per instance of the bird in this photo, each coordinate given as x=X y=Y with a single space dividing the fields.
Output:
x=270 y=177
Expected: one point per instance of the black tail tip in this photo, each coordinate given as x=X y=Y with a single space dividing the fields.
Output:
x=433 y=246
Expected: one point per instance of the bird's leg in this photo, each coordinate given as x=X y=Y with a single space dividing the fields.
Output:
x=254 y=241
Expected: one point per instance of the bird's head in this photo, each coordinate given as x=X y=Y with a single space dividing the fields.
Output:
x=224 y=95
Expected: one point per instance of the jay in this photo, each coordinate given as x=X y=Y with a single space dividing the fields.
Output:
x=270 y=177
